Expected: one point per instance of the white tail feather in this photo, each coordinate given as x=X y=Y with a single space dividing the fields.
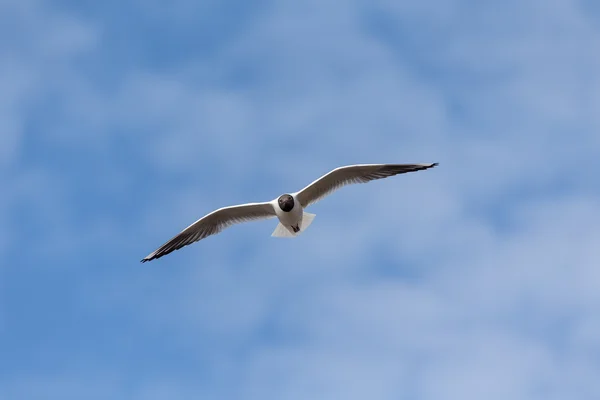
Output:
x=307 y=219
x=282 y=231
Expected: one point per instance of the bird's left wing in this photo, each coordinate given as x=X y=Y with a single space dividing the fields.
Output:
x=212 y=224
x=360 y=173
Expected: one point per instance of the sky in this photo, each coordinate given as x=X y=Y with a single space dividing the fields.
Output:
x=122 y=122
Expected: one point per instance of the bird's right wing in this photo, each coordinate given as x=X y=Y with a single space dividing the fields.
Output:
x=360 y=173
x=214 y=223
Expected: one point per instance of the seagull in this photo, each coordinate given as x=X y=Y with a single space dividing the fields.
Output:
x=288 y=208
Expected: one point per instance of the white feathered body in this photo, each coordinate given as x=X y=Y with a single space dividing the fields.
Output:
x=289 y=219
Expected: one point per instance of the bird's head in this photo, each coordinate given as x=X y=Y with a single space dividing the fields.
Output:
x=286 y=202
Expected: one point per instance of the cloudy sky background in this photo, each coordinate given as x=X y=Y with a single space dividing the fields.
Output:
x=123 y=122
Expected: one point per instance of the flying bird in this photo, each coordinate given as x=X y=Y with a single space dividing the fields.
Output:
x=288 y=208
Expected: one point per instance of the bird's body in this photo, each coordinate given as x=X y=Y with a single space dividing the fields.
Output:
x=289 y=212
x=288 y=208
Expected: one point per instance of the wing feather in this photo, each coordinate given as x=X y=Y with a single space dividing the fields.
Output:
x=351 y=174
x=212 y=224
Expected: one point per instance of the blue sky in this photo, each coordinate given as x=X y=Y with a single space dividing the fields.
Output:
x=123 y=122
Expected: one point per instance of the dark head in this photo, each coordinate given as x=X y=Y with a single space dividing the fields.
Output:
x=286 y=202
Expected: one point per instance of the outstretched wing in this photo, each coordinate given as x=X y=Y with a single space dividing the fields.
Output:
x=360 y=173
x=214 y=223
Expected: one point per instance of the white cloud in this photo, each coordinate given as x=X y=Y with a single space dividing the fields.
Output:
x=489 y=288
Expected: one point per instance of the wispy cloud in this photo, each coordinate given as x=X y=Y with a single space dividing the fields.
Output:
x=121 y=128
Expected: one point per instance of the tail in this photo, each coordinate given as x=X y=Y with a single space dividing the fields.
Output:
x=282 y=231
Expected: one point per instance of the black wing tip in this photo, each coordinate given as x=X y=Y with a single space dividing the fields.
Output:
x=411 y=167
